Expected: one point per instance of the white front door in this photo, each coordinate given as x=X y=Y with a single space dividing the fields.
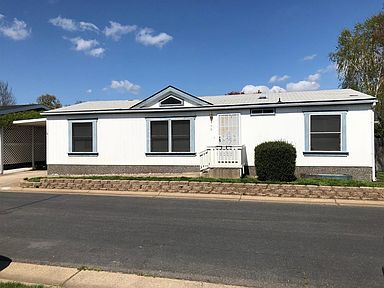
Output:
x=229 y=129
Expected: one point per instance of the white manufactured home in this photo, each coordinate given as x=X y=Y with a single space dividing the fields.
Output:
x=173 y=132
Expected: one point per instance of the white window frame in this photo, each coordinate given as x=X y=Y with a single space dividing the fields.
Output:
x=169 y=152
x=343 y=132
x=94 y=136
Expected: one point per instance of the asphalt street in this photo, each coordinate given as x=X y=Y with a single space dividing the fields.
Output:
x=244 y=243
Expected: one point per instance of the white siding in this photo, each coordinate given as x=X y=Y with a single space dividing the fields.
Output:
x=121 y=139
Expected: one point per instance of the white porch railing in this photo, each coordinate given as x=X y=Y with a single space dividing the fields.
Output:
x=222 y=157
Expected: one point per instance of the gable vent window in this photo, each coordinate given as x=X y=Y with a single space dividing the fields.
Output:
x=171 y=101
x=263 y=111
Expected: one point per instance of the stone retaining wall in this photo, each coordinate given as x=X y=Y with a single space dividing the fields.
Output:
x=275 y=190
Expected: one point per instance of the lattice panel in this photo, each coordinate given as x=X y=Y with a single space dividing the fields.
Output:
x=40 y=144
x=18 y=144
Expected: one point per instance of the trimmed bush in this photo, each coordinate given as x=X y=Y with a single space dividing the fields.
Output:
x=275 y=161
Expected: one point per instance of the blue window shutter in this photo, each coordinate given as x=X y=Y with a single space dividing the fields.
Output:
x=192 y=134
x=69 y=136
x=306 y=132
x=94 y=136
x=344 y=131
x=148 y=124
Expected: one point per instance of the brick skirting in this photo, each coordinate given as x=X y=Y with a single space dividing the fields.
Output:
x=274 y=190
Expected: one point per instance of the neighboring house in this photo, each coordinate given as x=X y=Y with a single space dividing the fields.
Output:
x=174 y=131
x=22 y=145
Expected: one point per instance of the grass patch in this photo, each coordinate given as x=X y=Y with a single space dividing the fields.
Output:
x=34 y=179
x=380 y=176
x=19 y=285
x=300 y=181
x=337 y=182
x=86 y=268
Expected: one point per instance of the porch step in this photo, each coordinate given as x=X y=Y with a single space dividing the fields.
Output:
x=222 y=172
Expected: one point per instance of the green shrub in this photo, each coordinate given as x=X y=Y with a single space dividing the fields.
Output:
x=275 y=161
x=7 y=119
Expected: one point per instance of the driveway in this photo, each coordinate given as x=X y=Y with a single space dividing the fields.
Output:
x=11 y=179
x=244 y=243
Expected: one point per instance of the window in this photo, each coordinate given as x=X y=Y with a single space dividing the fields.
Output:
x=263 y=111
x=171 y=135
x=181 y=137
x=159 y=136
x=325 y=132
x=82 y=138
x=171 y=101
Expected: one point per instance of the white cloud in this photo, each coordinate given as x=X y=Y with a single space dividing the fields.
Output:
x=97 y=52
x=82 y=44
x=72 y=25
x=328 y=69
x=277 y=89
x=277 y=78
x=145 y=36
x=89 y=91
x=88 y=26
x=117 y=30
x=309 y=57
x=314 y=77
x=124 y=85
x=16 y=30
x=250 y=89
x=64 y=23
x=303 y=85
x=89 y=47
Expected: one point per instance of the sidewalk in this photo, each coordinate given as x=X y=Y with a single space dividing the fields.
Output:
x=55 y=276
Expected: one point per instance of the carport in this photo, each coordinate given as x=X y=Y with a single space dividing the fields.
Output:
x=23 y=144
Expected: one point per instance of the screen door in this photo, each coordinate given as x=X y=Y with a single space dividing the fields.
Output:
x=229 y=129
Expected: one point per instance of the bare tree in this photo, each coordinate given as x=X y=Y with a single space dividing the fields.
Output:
x=6 y=95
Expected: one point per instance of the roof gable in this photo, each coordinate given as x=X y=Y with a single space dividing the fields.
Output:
x=171 y=97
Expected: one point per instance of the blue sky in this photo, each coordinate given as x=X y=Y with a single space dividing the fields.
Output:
x=104 y=50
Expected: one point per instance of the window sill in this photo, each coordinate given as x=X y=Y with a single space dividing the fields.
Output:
x=170 y=154
x=83 y=154
x=326 y=153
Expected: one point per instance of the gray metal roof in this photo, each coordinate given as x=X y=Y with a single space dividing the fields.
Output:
x=98 y=105
x=21 y=108
x=280 y=99
x=288 y=97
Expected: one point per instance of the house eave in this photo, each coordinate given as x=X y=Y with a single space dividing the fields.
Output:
x=215 y=107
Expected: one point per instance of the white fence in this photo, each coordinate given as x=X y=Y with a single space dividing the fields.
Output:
x=222 y=157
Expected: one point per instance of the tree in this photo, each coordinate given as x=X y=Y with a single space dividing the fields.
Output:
x=50 y=101
x=359 y=59
x=6 y=95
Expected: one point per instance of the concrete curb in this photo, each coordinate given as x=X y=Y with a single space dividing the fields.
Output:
x=199 y=196
x=55 y=276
